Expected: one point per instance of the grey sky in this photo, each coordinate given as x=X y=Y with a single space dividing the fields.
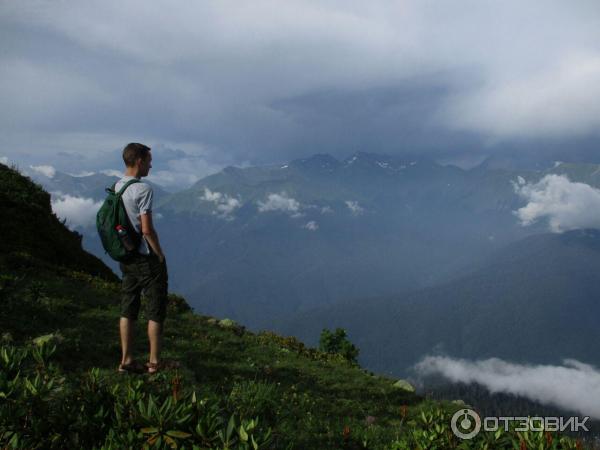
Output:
x=237 y=83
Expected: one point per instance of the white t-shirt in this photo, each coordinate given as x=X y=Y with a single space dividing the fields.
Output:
x=137 y=200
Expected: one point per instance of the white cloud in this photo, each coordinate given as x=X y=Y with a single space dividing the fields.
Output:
x=83 y=174
x=224 y=203
x=536 y=79
x=47 y=171
x=565 y=204
x=112 y=173
x=79 y=212
x=555 y=100
x=4 y=160
x=326 y=210
x=183 y=172
x=172 y=179
x=311 y=225
x=354 y=207
x=574 y=385
x=281 y=202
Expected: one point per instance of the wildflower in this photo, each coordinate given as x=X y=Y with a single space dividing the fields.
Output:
x=404 y=411
x=346 y=432
x=176 y=385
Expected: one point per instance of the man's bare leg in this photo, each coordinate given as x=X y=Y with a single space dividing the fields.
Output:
x=126 y=327
x=155 y=337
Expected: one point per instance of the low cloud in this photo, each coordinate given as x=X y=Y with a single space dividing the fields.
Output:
x=172 y=180
x=112 y=173
x=574 y=385
x=47 y=171
x=224 y=203
x=281 y=202
x=4 y=160
x=312 y=226
x=354 y=208
x=176 y=169
x=82 y=174
x=79 y=212
x=565 y=204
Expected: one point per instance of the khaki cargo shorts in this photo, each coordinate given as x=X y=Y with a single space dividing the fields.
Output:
x=144 y=274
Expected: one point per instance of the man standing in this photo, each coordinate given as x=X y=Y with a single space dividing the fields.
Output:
x=147 y=270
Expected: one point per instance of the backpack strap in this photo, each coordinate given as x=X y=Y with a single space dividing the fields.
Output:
x=120 y=193
x=129 y=183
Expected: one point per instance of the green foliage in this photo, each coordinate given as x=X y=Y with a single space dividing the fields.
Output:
x=430 y=430
x=254 y=398
x=337 y=342
x=40 y=408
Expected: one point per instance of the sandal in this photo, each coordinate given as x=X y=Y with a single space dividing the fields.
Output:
x=164 y=364
x=132 y=367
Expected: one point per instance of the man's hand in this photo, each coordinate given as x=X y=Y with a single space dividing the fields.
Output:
x=151 y=235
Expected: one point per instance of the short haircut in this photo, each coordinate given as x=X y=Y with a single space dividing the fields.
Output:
x=133 y=151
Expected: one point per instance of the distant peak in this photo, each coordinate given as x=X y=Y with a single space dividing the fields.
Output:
x=319 y=160
x=366 y=156
x=383 y=161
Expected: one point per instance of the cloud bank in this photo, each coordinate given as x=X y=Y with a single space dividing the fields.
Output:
x=47 y=171
x=264 y=82
x=566 y=205
x=574 y=385
x=79 y=212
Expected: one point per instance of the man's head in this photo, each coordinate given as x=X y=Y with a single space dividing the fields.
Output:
x=137 y=158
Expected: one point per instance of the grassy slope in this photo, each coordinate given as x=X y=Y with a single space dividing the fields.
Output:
x=28 y=225
x=40 y=299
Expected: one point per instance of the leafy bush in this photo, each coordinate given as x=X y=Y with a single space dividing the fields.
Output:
x=337 y=342
x=430 y=429
x=42 y=408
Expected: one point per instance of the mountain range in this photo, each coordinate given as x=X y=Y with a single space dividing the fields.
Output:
x=319 y=241
x=534 y=301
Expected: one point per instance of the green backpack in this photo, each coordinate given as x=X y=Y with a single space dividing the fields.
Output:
x=119 y=238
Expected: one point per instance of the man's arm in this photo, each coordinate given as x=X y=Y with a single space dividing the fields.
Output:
x=151 y=235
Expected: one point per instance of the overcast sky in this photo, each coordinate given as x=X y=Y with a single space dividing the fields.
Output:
x=215 y=83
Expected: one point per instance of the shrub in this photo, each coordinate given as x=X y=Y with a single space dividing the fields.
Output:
x=40 y=407
x=338 y=343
